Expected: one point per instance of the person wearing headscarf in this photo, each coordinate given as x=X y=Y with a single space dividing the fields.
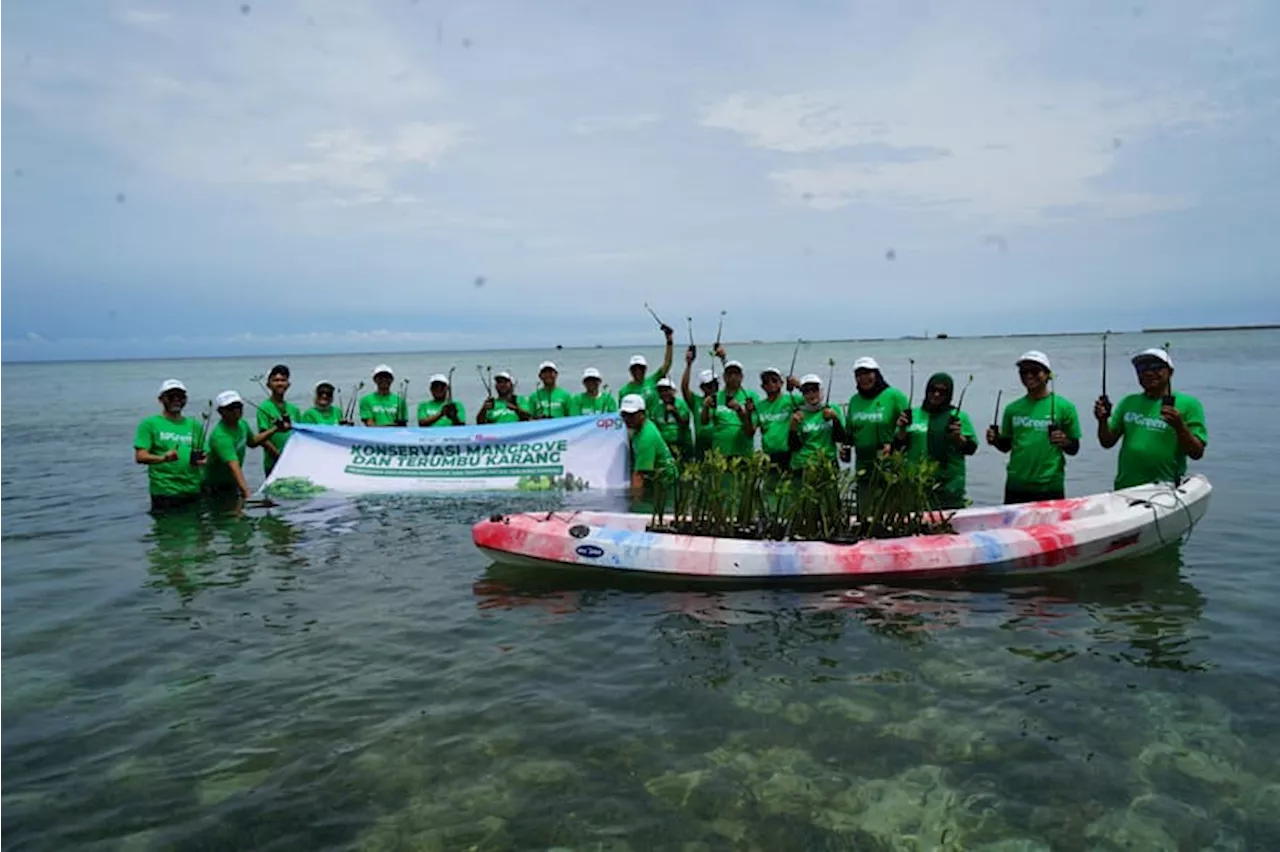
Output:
x=1160 y=429
x=941 y=433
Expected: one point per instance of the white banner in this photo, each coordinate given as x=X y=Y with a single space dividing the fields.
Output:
x=575 y=453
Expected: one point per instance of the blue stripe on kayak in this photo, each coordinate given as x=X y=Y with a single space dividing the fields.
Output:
x=782 y=560
x=991 y=547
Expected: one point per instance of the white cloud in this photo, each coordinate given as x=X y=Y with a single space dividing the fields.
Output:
x=142 y=17
x=349 y=159
x=963 y=126
x=593 y=124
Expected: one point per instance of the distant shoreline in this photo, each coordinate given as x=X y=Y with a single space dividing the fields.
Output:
x=939 y=336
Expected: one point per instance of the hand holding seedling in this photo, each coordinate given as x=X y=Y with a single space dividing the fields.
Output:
x=170 y=455
x=1058 y=438
x=1102 y=408
x=829 y=413
x=953 y=430
x=846 y=453
x=1172 y=416
x=993 y=436
x=903 y=421
x=691 y=354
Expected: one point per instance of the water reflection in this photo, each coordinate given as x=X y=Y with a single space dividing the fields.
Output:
x=207 y=546
x=1140 y=612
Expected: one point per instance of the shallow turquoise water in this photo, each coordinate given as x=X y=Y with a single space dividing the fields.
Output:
x=353 y=674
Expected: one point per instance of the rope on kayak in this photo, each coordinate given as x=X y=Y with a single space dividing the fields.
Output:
x=1178 y=502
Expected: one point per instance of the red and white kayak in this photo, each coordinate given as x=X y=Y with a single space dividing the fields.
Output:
x=1053 y=535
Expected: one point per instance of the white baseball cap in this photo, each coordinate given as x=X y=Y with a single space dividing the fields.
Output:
x=502 y=374
x=664 y=382
x=730 y=364
x=706 y=377
x=171 y=384
x=322 y=384
x=590 y=373
x=438 y=377
x=770 y=371
x=1035 y=357
x=547 y=365
x=383 y=368
x=1157 y=353
x=865 y=363
x=810 y=379
x=631 y=403
x=638 y=361
x=227 y=397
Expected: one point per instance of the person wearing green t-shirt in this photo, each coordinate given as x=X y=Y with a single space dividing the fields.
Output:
x=382 y=407
x=871 y=415
x=641 y=382
x=323 y=412
x=595 y=399
x=441 y=409
x=673 y=419
x=773 y=418
x=276 y=409
x=504 y=406
x=169 y=444
x=814 y=429
x=1160 y=429
x=730 y=415
x=651 y=458
x=549 y=401
x=228 y=440
x=939 y=432
x=708 y=385
x=1038 y=431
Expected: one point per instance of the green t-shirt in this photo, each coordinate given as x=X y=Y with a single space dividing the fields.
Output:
x=1150 y=451
x=951 y=468
x=727 y=435
x=267 y=414
x=226 y=444
x=650 y=453
x=158 y=434
x=647 y=389
x=817 y=436
x=869 y=423
x=502 y=413
x=774 y=420
x=330 y=416
x=702 y=432
x=382 y=410
x=585 y=403
x=549 y=403
x=677 y=437
x=1034 y=463
x=430 y=408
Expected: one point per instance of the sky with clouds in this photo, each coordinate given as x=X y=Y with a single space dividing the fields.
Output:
x=295 y=177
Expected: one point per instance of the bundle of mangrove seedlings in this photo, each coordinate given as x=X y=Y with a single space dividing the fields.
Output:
x=750 y=497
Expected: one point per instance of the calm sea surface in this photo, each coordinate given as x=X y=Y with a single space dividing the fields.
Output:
x=355 y=675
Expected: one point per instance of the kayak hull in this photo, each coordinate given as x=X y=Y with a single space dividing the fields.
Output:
x=1051 y=535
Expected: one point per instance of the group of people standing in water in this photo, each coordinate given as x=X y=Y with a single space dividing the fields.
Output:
x=1158 y=430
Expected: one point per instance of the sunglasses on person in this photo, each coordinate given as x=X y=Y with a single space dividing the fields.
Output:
x=1031 y=370
x=1151 y=366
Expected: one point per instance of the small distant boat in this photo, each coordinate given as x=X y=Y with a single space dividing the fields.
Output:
x=1052 y=535
x=942 y=335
